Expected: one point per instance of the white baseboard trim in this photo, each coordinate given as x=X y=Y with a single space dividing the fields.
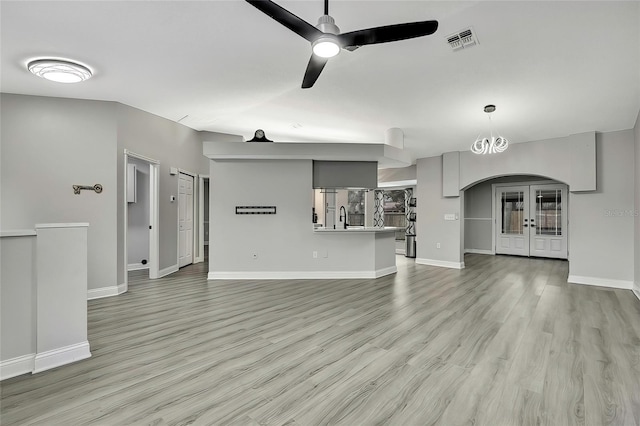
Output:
x=440 y=263
x=601 y=282
x=167 y=271
x=479 y=251
x=137 y=266
x=16 y=366
x=61 y=356
x=637 y=293
x=401 y=251
x=198 y=259
x=299 y=275
x=385 y=271
x=99 y=293
x=122 y=288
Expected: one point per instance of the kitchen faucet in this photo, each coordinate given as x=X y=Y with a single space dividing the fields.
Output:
x=342 y=209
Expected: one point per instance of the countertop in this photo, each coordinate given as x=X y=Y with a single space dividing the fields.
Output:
x=359 y=229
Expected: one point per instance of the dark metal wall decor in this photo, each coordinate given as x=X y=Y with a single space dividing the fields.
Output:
x=410 y=204
x=255 y=209
x=97 y=188
x=378 y=208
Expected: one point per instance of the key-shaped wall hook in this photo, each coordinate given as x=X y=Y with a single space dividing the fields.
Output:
x=97 y=188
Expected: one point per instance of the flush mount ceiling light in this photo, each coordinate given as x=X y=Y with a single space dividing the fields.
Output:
x=59 y=71
x=327 y=45
x=491 y=145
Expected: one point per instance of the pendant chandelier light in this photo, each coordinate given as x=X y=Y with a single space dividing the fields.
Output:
x=492 y=144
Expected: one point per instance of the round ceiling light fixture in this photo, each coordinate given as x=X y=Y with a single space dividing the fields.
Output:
x=326 y=47
x=59 y=70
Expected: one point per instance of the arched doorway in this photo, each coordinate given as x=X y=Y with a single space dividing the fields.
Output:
x=521 y=215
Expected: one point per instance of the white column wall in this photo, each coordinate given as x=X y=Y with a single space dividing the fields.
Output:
x=431 y=228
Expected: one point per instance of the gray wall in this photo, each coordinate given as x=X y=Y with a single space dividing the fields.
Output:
x=569 y=160
x=397 y=174
x=283 y=242
x=18 y=296
x=431 y=228
x=279 y=240
x=138 y=216
x=174 y=145
x=637 y=208
x=48 y=145
x=600 y=240
x=477 y=217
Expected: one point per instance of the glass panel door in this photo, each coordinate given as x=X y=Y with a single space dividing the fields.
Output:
x=512 y=212
x=549 y=221
x=513 y=220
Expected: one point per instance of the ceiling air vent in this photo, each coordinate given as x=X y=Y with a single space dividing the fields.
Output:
x=461 y=39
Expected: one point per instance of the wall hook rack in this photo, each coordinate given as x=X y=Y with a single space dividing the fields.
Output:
x=97 y=188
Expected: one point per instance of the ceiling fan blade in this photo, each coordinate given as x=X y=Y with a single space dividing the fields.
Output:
x=314 y=68
x=286 y=18
x=354 y=39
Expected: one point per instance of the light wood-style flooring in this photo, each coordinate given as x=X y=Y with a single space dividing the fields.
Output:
x=505 y=341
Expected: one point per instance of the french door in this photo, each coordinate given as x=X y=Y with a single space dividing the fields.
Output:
x=531 y=220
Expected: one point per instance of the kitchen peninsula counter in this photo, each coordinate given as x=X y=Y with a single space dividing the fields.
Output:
x=358 y=229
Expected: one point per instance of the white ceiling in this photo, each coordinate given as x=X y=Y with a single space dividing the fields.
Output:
x=553 y=68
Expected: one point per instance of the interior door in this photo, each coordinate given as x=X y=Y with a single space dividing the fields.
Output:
x=185 y=219
x=512 y=220
x=548 y=221
x=531 y=220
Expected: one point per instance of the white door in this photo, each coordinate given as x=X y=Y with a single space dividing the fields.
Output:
x=512 y=228
x=185 y=220
x=548 y=221
x=532 y=220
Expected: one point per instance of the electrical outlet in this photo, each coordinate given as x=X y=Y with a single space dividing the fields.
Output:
x=254 y=256
x=315 y=254
x=437 y=245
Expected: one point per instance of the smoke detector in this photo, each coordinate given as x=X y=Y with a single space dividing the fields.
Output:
x=462 y=39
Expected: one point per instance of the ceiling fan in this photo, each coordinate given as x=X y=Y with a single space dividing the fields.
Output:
x=327 y=41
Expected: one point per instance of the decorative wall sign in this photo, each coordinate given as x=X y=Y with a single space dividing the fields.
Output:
x=255 y=209
x=77 y=188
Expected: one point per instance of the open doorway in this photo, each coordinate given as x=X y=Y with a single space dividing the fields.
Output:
x=141 y=216
x=517 y=215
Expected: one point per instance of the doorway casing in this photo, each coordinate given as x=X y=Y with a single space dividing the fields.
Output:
x=201 y=196
x=154 y=248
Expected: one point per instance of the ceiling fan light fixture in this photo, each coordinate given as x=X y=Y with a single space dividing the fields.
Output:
x=59 y=71
x=326 y=47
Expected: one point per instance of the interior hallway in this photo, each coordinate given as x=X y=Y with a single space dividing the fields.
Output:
x=504 y=341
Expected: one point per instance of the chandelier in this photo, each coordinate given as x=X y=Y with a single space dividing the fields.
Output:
x=493 y=144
